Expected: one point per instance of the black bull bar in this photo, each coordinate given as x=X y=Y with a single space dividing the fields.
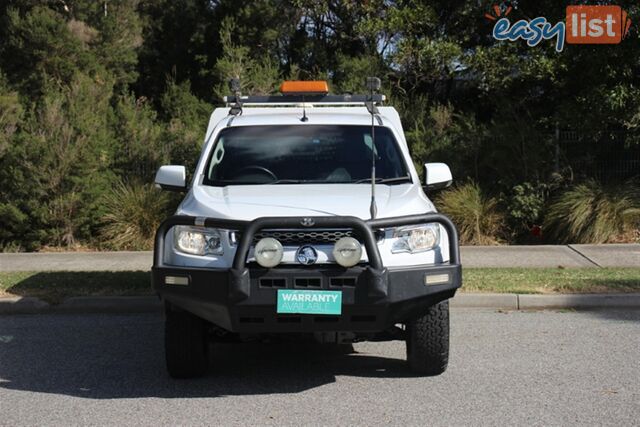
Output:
x=239 y=286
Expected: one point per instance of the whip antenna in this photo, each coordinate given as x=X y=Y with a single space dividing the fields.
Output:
x=373 y=84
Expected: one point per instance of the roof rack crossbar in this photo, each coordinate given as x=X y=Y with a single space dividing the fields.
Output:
x=307 y=99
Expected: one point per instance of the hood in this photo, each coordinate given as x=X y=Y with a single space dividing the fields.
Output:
x=248 y=202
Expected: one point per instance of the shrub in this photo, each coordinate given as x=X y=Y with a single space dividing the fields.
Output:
x=134 y=212
x=525 y=205
x=594 y=213
x=477 y=216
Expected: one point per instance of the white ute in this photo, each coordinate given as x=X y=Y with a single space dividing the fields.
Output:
x=305 y=215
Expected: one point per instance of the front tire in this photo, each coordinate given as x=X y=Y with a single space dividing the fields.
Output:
x=428 y=341
x=185 y=344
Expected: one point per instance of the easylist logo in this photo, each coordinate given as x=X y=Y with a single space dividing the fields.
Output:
x=584 y=25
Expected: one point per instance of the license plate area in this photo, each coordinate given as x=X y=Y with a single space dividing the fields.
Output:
x=294 y=301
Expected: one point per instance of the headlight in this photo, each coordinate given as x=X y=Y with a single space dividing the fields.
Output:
x=347 y=251
x=415 y=239
x=268 y=252
x=197 y=240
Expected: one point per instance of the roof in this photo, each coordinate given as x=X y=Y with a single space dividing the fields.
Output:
x=256 y=116
x=292 y=116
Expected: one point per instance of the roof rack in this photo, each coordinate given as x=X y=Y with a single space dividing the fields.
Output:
x=306 y=99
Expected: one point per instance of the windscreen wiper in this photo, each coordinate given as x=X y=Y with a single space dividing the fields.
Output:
x=285 y=181
x=385 y=180
x=225 y=182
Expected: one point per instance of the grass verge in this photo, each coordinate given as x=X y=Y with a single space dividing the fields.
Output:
x=551 y=280
x=54 y=287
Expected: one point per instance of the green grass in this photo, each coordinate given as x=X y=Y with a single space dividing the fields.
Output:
x=54 y=287
x=551 y=280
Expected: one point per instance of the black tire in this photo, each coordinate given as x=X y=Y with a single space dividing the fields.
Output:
x=428 y=341
x=185 y=344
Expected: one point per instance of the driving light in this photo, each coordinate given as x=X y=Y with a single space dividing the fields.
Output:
x=416 y=238
x=436 y=279
x=197 y=241
x=176 y=280
x=347 y=252
x=268 y=252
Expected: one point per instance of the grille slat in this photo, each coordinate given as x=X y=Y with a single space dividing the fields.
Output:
x=295 y=237
x=308 y=282
x=273 y=283
x=341 y=282
x=298 y=237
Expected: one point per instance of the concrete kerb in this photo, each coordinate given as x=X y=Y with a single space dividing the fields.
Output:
x=504 y=301
x=22 y=305
x=526 y=302
x=30 y=305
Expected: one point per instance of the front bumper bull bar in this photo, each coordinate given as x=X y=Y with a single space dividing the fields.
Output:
x=226 y=297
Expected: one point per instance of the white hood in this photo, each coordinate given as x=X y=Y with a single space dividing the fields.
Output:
x=248 y=202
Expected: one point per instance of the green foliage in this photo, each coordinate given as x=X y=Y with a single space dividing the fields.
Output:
x=257 y=76
x=187 y=117
x=118 y=38
x=133 y=213
x=42 y=42
x=138 y=146
x=10 y=115
x=348 y=76
x=436 y=132
x=94 y=93
x=526 y=206
x=70 y=127
x=477 y=216
x=594 y=213
x=58 y=165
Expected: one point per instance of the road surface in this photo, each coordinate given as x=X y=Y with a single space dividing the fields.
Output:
x=506 y=368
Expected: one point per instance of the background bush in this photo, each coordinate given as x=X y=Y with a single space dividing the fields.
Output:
x=594 y=213
x=133 y=214
x=477 y=216
x=94 y=93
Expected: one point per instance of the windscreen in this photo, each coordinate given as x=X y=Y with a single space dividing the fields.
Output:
x=304 y=154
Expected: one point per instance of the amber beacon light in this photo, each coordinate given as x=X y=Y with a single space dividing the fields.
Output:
x=317 y=87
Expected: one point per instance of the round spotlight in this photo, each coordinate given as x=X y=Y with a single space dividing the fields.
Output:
x=268 y=252
x=347 y=252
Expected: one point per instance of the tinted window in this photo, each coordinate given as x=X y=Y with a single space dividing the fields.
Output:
x=305 y=153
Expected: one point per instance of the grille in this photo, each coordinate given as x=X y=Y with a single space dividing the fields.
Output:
x=273 y=283
x=301 y=237
x=308 y=282
x=341 y=282
x=304 y=237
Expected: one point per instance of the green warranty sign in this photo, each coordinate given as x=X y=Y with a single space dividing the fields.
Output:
x=309 y=302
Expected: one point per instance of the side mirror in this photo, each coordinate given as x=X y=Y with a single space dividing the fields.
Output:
x=172 y=178
x=437 y=176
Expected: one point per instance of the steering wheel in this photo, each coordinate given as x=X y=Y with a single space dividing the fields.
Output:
x=260 y=169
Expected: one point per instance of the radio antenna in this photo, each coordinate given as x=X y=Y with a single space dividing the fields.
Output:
x=373 y=84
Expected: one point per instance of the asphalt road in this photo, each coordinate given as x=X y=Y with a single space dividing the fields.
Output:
x=507 y=368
